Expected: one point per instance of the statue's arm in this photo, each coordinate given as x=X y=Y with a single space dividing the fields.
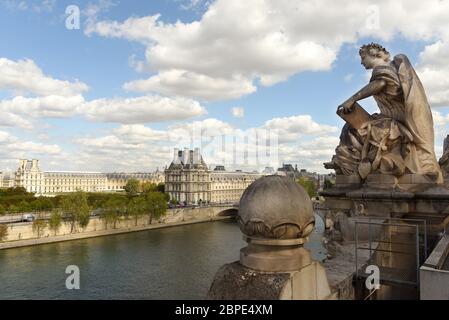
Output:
x=373 y=88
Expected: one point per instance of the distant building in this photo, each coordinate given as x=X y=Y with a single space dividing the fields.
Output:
x=189 y=180
x=118 y=181
x=7 y=180
x=268 y=171
x=289 y=171
x=33 y=179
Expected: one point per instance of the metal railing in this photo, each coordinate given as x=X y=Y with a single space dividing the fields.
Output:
x=385 y=245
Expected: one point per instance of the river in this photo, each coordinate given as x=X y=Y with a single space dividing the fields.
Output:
x=170 y=263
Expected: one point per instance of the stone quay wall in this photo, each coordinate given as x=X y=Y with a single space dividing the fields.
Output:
x=22 y=234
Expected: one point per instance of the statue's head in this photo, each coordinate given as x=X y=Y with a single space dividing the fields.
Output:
x=373 y=54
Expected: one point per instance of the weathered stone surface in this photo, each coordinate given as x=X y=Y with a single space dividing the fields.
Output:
x=276 y=207
x=399 y=139
x=236 y=282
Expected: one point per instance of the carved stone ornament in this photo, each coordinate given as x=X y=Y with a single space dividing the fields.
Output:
x=276 y=207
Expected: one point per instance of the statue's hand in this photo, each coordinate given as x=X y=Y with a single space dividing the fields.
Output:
x=347 y=106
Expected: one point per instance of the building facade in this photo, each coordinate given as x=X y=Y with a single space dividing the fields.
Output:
x=189 y=180
x=33 y=179
x=118 y=181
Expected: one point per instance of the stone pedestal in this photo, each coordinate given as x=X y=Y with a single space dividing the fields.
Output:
x=276 y=218
x=383 y=197
x=237 y=282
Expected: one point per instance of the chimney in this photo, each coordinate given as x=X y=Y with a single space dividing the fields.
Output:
x=175 y=154
x=185 y=156
x=196 y=156
x=22 y=164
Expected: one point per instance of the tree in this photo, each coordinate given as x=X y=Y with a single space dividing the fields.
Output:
x=156 y=205
x=39 y=226
x=113 y=209
x=2 y=210
x=160 y=187
x=308 y=185
x=24 y=206
x=13 y=209
x=55 y=221
x=149 y=187
x=136 y=208
x=132 y=187
x=3 y=232
x=76 y=209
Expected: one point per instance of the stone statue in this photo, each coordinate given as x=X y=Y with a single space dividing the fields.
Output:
x=444 y=160
x=399 y=139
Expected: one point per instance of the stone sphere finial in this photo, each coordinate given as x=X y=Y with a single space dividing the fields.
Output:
x=277 y=208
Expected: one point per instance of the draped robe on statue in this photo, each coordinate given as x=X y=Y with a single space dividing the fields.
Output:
x=398 y=140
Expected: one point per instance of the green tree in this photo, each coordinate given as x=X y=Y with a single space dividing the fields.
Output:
x=76 y=209
x=136 y=208
x=156 y=205
x=39 y=226
x=113 y=209
x=160 y=187
x=2 y=210
x=308 y=185
x=13 y=209
x=327 y=184
x=132 y=187
x=148 y=187
x=55 y=221
x=3 y=232
x=24 y=206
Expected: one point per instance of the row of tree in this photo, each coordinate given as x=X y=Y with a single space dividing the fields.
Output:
x=75 y=210
x=18 y=200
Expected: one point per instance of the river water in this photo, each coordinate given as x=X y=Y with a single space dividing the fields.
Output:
x=170 y=263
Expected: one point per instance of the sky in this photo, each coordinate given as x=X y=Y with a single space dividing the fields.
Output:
x=252 y=83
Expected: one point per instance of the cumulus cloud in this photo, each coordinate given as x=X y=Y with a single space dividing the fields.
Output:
x=21 y=111
x=13 y=148
x=433 y=69
x=292 y=128
x=220 y=142
x=263 y=41
x=144 y=109
x=25 y=77
x=40 y=96
x=191 y=84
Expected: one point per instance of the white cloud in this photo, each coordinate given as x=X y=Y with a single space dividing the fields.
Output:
x=191 y=84
x=238 y=112
x=218 y=141
x=292 y=128
x=144 y=109
x=262 y=40
x=25 y=77
x=13 y=148
x=433 y=70
x=138 y=132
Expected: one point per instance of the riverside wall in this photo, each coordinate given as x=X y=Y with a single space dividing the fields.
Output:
x=22 y=234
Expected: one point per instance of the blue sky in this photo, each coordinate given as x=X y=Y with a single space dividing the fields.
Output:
x=181 y=63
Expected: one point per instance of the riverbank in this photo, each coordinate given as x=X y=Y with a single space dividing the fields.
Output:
x=94 y=234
